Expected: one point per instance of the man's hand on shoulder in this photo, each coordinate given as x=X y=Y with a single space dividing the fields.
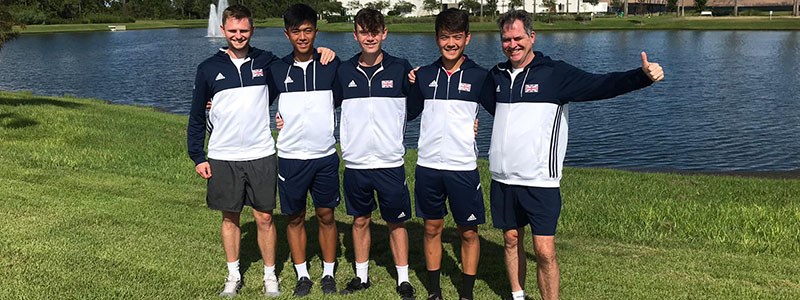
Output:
x=327 y=55
x=278 y=121
x=653 y=70
x=203 y=169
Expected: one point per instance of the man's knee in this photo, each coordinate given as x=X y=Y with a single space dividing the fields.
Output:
x=469 y=234
x=433 y=229
x=361 y=223
x=263 y=218
x=511 y=238
x=325 y=217
x=296 y=220
x=546 y=257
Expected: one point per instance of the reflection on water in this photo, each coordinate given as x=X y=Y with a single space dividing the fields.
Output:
x=729 y=101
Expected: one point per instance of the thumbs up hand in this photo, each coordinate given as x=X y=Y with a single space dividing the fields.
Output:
x=653 y=70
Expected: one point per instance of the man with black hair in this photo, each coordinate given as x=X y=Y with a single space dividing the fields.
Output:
x=307 y=158
x=374 y=86
x=529 y=141
x=447 y=93
x=240 y=146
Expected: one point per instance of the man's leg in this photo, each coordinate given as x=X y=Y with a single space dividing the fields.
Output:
x=470 y=254
x=328 y=234
x=547 y=273
x=433 y=253
x=267 y=236
x=516 y=265
x=231 y=237
x=362 y=239
x=296 y=236
x=398 y=242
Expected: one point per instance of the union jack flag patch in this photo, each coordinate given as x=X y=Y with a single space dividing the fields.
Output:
x=258 y=73
x=531 y=88
x=387 y=84
x=466 y=87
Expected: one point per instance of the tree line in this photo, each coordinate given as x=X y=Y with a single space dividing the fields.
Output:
x=99 y=11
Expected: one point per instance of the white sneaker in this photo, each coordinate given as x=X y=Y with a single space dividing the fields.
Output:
x=231 y=287
x=271 y=286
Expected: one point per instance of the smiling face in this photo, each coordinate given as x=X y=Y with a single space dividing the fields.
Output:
x=452 y=45
x=302 y=38
x=517 y=44
x=237 y=32
x=370 y=42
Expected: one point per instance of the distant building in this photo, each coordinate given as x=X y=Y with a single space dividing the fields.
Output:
x=575 y=6
x=562 y=6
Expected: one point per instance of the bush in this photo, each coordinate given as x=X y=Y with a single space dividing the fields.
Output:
x=106 y=18
x=337 y=19
x=28 y=16
x=583 y=17
x=53 y=21
x=404 y=20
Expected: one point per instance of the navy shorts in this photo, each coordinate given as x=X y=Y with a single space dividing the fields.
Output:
x=390 y=183
x=514 y=206
x=432 y=187
x=298 y=177
x=234 y=184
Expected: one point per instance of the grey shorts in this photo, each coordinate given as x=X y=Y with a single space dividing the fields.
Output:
x=234 y=184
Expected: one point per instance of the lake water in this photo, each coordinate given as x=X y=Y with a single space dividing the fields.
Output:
x=730 y=101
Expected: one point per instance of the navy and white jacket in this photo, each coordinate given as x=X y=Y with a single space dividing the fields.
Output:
x=306 y=105
x=449 y=106
x=238 y=122
x=529 y=138
x=373 y=113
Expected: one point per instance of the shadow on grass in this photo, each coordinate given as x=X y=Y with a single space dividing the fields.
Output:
x=491 y=268
x=38 y=101
x=15 y=121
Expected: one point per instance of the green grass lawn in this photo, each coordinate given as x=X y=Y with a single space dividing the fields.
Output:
x=606 y=23
x=101 y=201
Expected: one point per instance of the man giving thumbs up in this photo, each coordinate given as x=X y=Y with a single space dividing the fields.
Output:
x=529 y=141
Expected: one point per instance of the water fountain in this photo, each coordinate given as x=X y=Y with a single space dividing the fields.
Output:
x=215 y=18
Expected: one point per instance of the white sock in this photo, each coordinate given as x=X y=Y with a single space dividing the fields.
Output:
x=269 y=271
x=233 y=270
x=302 y=270
x=327 y=268
x=362 y=271
x=402 y=274
x=518 y=295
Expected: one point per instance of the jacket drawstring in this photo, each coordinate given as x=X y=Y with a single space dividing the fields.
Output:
x=286 y=84
x=522 y=87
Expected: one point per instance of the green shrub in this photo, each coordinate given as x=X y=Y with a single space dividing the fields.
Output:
x=106 y=18
x=28 y=16
x=406 y=20
x=337 y=19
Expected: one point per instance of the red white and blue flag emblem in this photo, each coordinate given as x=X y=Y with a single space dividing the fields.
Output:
x=532 y=88
x=258 y=73
x=466 y=87
x=387 y=84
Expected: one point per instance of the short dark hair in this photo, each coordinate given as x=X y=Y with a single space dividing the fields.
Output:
x=238 y=12
x=369 y=19
x=509 y=17
x=452 y=20
x=299 y=14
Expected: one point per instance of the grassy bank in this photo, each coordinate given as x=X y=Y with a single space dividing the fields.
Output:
x=101 y=201
x=630 y=23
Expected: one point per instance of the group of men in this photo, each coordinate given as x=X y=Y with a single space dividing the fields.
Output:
x=378 y=93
